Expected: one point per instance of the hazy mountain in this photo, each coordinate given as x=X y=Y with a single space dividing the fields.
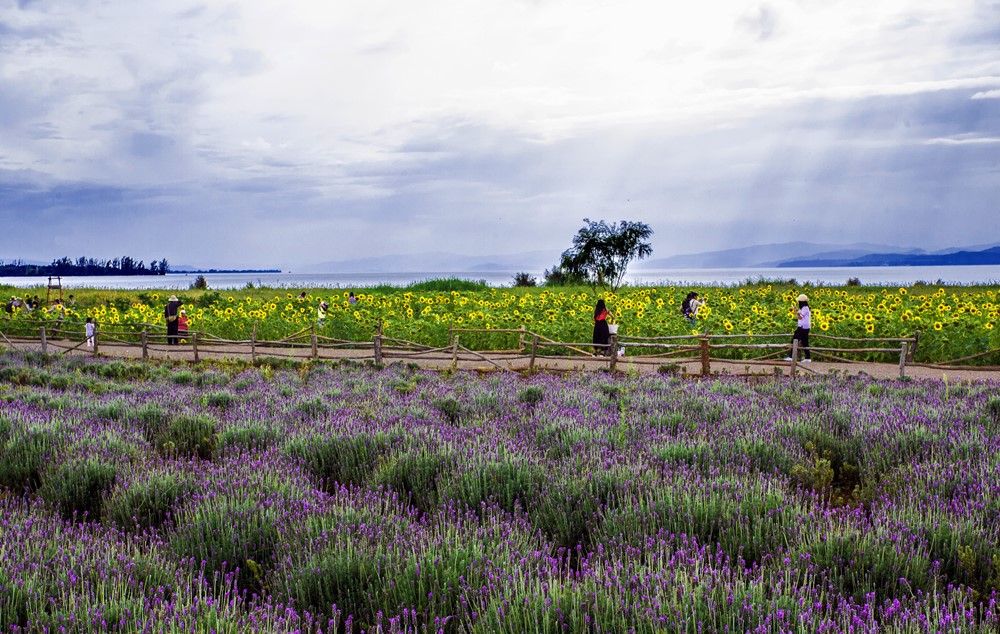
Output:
x=763 y=256
x=963 y=257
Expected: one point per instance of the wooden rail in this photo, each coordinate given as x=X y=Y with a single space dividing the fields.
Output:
x=531 y=347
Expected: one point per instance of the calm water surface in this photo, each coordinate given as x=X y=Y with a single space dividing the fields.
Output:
x=876 y=276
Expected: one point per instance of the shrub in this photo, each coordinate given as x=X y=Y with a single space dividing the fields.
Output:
x=199 y=284
x=523 y=280
x=77 y=487
x=147 y=503
x=226 y=533
x=343 y=460
x=188 y=435
x=23 y=459
x=531 y=396
x=415 y=476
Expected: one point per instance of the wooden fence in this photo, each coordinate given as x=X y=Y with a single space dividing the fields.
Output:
x=528 y=351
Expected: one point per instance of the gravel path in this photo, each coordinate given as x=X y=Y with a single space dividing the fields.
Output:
x=443 y=359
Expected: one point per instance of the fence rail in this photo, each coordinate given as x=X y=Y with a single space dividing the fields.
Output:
x=530 y=349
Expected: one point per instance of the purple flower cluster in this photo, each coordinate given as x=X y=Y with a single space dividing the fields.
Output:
x=340 y=498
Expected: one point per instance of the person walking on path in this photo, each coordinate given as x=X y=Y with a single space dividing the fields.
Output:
x=804 y=323
x=602 y=335
x=171 y=312
x=90 y=329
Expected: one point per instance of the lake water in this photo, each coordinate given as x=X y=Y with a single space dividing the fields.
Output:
x=830 y=276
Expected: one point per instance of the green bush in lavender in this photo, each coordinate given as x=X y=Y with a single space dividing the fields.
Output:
x=251 y=436
x=858 y=563
x=415 y=476
x=510 y=485
x=992 y=418
x=23 y=458
x=188 y=435
x=221 y=400
x=78 y=486
x=340 y=460
x=227 y=533
x=750 y=521
x=147 y=502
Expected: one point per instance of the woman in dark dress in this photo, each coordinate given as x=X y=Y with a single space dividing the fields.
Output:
x=601 y=334
x=170 y=313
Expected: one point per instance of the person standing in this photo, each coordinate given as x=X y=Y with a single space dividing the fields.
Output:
x=803 y=324
x=602 y=335
x=351 y=299
x=90 y=329
x=171 y=312
x=182 y=325
x=321 y=314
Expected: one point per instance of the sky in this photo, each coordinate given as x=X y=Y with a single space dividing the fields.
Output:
x=267 y=134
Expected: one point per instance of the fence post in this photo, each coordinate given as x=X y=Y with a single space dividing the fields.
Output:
x=194 y=345
x=913 y=350
x=97 y=338
x=795 y=357
x=145 y=351
x=706 y=362
x=45 y=345
x=902 y=361
x=253 y=343
x=378 y=348
x=315 y=345
x=454 y=351
x=534 y=352
x=613 y=351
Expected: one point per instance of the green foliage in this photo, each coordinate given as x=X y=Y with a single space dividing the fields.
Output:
x=147 y=502
x=340 y=460
x=188 y=435
x=415 y=475
x=531 y=395
x=226 y=533
x=451 y=408
x=601 y=252
x=199 y=284
x=23 y=459
x=77 y=487
x=524 y=280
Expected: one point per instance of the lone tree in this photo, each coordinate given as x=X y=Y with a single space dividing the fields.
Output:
x=601 y=252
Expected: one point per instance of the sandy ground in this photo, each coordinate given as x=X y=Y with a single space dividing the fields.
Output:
x=443 y=359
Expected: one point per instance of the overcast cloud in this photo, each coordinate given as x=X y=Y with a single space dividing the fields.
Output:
x=257 y=133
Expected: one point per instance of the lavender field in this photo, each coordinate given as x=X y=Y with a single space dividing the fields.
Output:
x=347 y=498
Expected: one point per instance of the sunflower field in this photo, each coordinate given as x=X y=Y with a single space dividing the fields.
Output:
x=954 y=322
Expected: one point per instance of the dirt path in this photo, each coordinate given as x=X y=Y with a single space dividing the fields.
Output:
x=499 y=362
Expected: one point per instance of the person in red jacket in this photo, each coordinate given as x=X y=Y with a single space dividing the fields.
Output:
x=602 y=336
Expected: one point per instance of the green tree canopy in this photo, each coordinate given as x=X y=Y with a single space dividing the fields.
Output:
x=601 y=252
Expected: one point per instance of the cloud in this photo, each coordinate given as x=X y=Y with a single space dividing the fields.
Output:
x=493 y=125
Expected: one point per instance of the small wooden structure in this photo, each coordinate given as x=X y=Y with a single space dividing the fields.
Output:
x=53 y=285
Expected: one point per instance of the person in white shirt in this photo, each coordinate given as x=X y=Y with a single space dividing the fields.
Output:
x=804 y=323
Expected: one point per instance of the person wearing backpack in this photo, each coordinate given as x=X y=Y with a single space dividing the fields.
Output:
x=689 y=307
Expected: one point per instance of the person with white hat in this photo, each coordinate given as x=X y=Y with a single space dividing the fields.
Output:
x=170 y=313
x=804 y=323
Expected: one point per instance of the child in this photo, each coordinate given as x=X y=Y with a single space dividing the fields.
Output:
x=804 y=323
x=182 y=324
x=90 y=328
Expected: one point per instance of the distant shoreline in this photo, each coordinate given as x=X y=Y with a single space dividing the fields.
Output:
x=220 y=271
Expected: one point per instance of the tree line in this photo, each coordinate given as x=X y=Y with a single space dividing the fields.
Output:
x=65 y=266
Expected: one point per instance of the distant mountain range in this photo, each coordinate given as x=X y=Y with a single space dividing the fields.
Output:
x=782 y=255
x=812 y=255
